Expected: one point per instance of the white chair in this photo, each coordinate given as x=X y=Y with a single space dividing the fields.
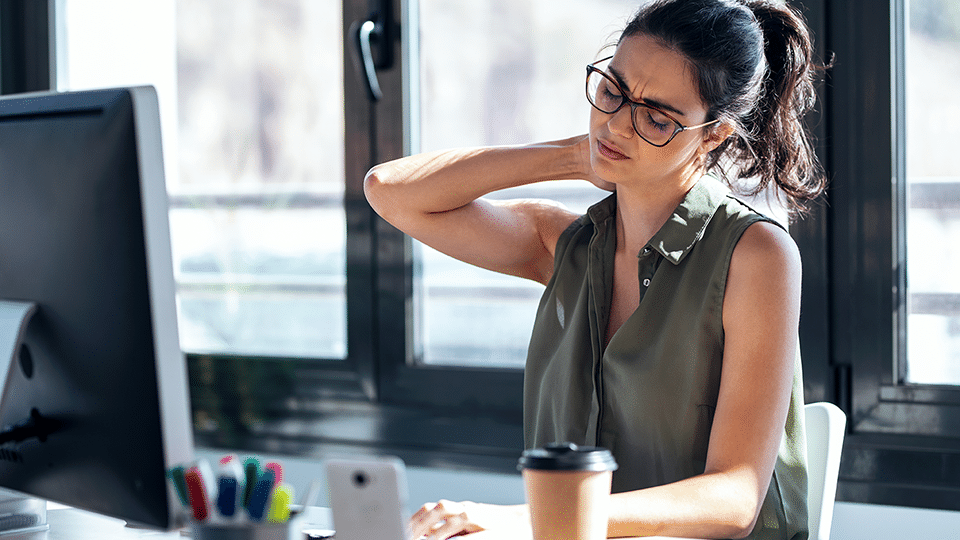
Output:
x=825 y=426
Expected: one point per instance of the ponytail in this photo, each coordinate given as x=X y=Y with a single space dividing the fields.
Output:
x=755 y=69
x=783 y=145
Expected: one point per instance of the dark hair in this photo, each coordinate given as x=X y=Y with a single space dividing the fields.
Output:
x=754 y=64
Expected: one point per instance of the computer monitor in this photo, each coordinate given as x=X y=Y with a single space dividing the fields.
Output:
x=95 y=408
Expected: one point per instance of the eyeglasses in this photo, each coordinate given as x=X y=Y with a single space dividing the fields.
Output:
x=651 y=124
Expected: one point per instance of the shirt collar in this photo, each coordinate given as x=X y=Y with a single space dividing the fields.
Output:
x=687 y=223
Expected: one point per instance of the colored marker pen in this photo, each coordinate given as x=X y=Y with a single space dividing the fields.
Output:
x=230 y=465
x=197 y=493
x=179 y=485
x=229 y=486
x=228 y=458
x=260 y=496
x=251 y=472
x=280 y=504
x=228 y=495
x=277 y=469
x=207 y=475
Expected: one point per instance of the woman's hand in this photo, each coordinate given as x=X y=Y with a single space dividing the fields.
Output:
x=583 y=144
x=446 y=519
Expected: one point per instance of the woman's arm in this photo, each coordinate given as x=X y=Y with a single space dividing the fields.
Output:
x=436 y=198
x=760 y=321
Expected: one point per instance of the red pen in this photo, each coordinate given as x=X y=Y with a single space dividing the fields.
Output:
x=197 y=493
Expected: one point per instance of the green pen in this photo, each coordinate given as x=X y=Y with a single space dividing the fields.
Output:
x=251 y=472
x=176 y=475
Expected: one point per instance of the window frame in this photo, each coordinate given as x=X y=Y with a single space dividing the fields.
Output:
x=903 y=441
x=463 y=393
x=26 y=47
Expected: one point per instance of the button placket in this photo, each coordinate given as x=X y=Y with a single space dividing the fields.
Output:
x=648 y=260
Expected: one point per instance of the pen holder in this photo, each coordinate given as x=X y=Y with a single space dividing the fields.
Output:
x=245 y=531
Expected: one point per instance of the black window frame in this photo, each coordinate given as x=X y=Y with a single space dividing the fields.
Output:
x=903 y=441
x=26 y=45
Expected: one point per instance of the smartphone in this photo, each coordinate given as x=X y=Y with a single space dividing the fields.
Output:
x=368 y=498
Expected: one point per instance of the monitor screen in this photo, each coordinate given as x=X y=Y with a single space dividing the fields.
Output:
x=95 y=407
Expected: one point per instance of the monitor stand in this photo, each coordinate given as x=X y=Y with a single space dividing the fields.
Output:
x=18 y=512
x=14 y=318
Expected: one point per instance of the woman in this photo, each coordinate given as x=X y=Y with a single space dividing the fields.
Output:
x=668 y=331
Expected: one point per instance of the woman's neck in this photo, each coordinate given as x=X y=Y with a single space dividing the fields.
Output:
x=642 y=212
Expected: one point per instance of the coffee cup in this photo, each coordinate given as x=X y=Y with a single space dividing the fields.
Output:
x=568 y=491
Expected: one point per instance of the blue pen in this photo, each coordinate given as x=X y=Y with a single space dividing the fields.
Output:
x=229 y=485
x=260 y=496
x=228 y=494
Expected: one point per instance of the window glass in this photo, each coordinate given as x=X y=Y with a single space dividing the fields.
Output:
x=252 y=116
x=493 y=73
x=932 y=76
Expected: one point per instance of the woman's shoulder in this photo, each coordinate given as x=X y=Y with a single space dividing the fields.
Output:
x=766 y=244
x=740 y=236
x=755 y=230
x=734 y=217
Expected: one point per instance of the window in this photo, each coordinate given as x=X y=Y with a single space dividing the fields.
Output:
x=931 y=73
x=252 y=122
x=497 y=73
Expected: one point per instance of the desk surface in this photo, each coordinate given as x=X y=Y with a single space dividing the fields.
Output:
x=72 y=524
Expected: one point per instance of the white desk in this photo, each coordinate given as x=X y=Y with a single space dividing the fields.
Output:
x=72 y=524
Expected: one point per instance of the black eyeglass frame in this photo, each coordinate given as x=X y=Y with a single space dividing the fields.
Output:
x=678 y=127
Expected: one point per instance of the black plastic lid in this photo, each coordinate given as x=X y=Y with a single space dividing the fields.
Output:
x=567 y=457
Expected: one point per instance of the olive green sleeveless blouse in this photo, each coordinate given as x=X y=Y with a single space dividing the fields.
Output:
x=650 y=395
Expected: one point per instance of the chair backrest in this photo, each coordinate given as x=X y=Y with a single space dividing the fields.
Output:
x=825 y=427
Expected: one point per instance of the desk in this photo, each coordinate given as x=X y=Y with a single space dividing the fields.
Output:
x=72 y=524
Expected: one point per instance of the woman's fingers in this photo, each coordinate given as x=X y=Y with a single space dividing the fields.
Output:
x=420 y=523
x=590 y=174
x=452 y=526
x=441 y=520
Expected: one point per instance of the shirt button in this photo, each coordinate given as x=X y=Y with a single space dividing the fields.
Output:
x=646 y=282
